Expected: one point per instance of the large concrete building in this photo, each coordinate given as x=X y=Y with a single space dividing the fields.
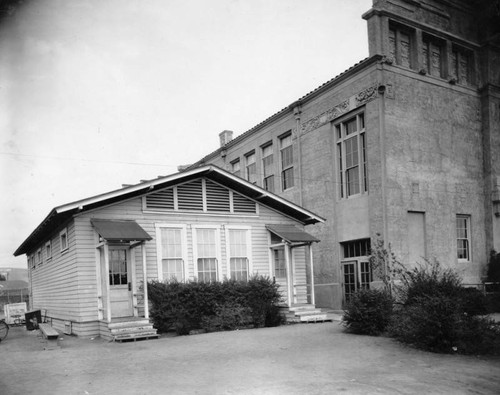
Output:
x=405 y=144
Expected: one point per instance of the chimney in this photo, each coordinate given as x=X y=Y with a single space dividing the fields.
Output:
x=225 y=137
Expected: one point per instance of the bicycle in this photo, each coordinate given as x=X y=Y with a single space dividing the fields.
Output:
x=4 y=329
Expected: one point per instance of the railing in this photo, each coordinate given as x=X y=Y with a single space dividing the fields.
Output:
x=9 y=296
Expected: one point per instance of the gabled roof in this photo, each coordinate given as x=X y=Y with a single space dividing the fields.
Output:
x=61 y=214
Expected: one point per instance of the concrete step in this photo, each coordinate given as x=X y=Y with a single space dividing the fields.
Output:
x=300 y=313
x=136 y=336
x=314 y=318
x=303 y=307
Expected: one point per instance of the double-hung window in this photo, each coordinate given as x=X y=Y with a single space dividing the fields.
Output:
x=48 y=250
x=432 y=56
x=461 y=66
x=463 y=238
x=239 y=253
x=251 y=168
x=173 y=253
x=63 y=240
x=268 y=168
x=401 y=45
x=236 y=167
x=206 y=254
x=351 y=156
x=286 y=151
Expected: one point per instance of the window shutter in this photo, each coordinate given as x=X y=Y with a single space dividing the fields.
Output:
x=217 y=197
x=243 y=205
x=190 y=196
x=162 y=200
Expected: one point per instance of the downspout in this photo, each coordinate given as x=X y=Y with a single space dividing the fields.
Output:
x=296 y=112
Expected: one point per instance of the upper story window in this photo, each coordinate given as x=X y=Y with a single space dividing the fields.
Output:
x=39 y=258
x=268 y=168
x=251 y=168
x=63 y=240
x=432 y=56
x=401 y=45
x=286 y=152
x=351 y=156
x=463 y=237
x=236 y=168
x=461 y=66
x=48 y=249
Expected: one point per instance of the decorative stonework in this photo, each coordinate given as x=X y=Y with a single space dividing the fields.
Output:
x=350 y=104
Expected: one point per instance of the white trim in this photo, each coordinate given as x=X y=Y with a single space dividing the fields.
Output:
x=218 y=254
x=159 y=264
x=468 y=220
x=62 y=233
x=248 y=230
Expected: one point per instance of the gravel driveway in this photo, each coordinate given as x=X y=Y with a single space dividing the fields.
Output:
x=295 y=359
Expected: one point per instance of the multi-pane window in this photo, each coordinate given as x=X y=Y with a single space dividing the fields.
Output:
x=356 y=267
x=401 y=45
x=461 y=63
x=39 y=258
x=267 y=168
x=463 y=237
x=356 y=248
x=172 y=262
x=279 y=262
x=238 y=254
x=432 y=56
x=351 y=156
x=236 y=168
x=118 y=267
x=206 y=251
x=286 y=151
x=251 y=168
x=63 y=240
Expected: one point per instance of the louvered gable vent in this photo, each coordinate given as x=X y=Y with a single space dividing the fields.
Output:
x=217 y=197
x=190 y=196
x=161 y=200
x=241 y=204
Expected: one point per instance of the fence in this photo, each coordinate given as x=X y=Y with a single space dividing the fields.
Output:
x=8 y=296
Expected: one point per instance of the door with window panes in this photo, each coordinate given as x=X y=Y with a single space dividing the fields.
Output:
x=356 y=268
x=120 y=282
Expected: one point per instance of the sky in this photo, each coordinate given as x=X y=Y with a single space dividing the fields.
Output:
x=95 y=94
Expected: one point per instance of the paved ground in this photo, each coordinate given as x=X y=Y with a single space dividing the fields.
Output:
x=296 y=359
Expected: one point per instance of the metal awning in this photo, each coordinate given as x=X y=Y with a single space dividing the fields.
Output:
x=116 y=230
x=291 y=234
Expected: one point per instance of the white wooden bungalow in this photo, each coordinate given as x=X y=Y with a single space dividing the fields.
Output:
x=88 y=259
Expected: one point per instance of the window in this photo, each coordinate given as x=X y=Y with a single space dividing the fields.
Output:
x=48 y=250
x=279 y=262
x=39 y=259
x=351 y=156
x=356 y=267
x=463 y=237
x=267 y=168
x=206 y=254
x=432 y=56
x=172 y=256
x=118 y=267
x=235 y=168
x=461 y=64
x=286 y=151
x=251 y=168
x=238 y=254
x=401 y=45
x=63 y=240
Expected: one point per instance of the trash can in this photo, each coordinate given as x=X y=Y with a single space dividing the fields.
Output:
x=33 y=318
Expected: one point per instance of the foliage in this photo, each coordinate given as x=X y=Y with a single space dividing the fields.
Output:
x=229 y=316
x=187 y=306
x=368 y=312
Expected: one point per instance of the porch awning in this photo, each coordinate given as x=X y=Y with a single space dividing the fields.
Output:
x=116 y=230
x=291 y=234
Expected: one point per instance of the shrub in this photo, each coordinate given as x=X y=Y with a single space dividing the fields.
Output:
x=229 y=316
x=368 y=312
x=493 y=273
x=187 y=306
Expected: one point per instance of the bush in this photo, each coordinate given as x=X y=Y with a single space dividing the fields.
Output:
x=192 y=305
x=368 y=312
x=229 y=316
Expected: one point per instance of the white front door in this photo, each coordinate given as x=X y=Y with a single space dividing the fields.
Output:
x=280 y=272
x=120 y=282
